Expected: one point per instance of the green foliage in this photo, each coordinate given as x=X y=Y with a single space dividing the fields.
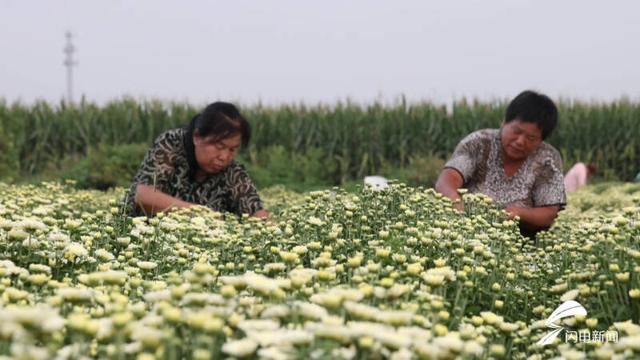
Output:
x=319 y=144
x=105 y=166
x=422 y=170
x=9 y=162
x=298 y=171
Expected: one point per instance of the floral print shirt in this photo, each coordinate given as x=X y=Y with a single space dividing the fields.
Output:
x=166 y=166
x=538 y=182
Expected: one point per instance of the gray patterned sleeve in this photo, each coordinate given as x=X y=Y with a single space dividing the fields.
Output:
x=466 y=155
x=548 y=188
x=244 y=195
x=156 y=170
x=158 y=164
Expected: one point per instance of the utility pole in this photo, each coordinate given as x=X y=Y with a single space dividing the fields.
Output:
x=69 y=63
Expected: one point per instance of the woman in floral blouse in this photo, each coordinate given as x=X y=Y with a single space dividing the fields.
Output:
x=195 y=165
x=512 y=165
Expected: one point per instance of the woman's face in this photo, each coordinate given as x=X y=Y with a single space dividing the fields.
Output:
x=214 y=156
x=519 y=139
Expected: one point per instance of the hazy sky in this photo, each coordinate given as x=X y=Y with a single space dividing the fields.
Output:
x=296 y=50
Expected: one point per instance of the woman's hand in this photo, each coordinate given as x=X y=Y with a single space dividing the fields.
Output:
x=262 y=214
x=536 y=218
x=154 y=201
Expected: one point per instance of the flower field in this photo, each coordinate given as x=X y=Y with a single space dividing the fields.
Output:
x=369 y=275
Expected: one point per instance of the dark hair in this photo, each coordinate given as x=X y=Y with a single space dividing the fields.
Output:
x=220 y=120
x=536 y=108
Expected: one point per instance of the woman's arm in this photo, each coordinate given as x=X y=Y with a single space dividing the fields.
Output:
x=244 y=195
x=537 y=218
x=153 y=200
x=449 y=181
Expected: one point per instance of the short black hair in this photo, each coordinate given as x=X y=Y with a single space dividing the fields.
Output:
x=220 y=120
x=532 y=107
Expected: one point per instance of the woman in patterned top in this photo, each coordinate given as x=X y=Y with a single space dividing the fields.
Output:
x=512 y=165
x=195 y=166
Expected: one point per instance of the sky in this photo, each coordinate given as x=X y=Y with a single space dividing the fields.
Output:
x=294 y=51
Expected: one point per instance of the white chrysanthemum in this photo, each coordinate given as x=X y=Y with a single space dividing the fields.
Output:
x=559 y=288
x=147 y=336
x=104 y=255
x=402 y=354
x=235 y=281
x=395 y=317
x=39 y=316
x=75 y=294
x=315 y=221
x=6 y=224
x=198 y=221
x=348 y=294
x=202 y=299
x=604 y=352
x=17 y=234
x=346 y=353
x=276 y=311
x=11 y=269
x=472 y=348
x=433 y=279
x=365 y=328
x=417 y=334
x=628 y=327
x=300 y=249
x=27 y=351
x=335 y=332
x=58 y=237
x=570 y=295
x=240 y=348
x=310 y=311
x=398 y=290
x=275 y=267
x=539 y=324
x=156 y=296
x=76 y=249
x=32 y=225
x=304 y=272
x=628 y=343
x=491 y=318
x=430 y=351
x=361 y=311
x=260 y=283
x=445 y=271
x=572 y=354
x=275 y=353
x=328 y=300
x=7 y=264
x=30 y=243
x=392 y=339
x=147 y=265
x=105 y=328
x=39 y=268
x=69 y=352
x=509 y=327
x=111 y=277
x=72 y=223
x=132 y=348
x=450 y=342
x=258 y=325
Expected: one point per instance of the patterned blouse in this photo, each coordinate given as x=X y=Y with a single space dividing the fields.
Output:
x=538 y=182
x=167 y=167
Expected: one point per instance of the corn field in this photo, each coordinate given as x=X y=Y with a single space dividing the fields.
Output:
x=358 y=138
